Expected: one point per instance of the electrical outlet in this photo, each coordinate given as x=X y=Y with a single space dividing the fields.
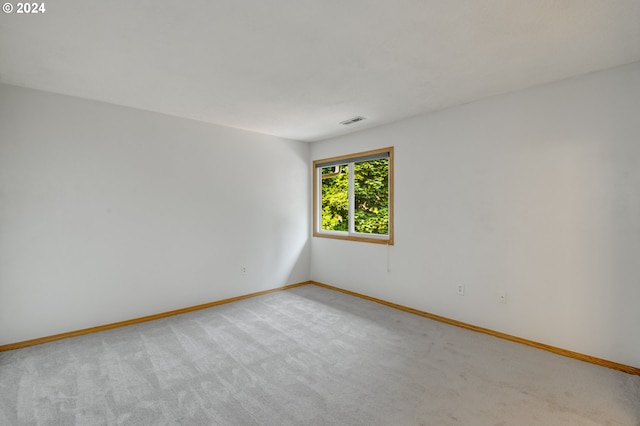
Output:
x=243 y=270
x=502 y=297
x=460 y=290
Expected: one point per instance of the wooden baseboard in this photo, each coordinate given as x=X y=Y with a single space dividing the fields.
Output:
x=40 y=340
x=559 y=351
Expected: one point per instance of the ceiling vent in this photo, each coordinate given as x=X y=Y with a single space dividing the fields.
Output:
x=352 y=120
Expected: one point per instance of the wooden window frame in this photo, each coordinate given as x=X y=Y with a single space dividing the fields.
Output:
x=317 y=193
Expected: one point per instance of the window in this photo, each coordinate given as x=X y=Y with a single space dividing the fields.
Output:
x=353 y=197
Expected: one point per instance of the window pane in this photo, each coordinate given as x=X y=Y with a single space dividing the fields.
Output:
x=335 y=198
x=371 y=187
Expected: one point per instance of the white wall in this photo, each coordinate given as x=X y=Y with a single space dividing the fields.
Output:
x=109 y=213
x=536 y=193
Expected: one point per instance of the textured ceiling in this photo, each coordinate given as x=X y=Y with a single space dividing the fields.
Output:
x=296 y=68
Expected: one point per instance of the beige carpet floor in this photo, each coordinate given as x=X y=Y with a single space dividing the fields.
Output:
x=305 y=356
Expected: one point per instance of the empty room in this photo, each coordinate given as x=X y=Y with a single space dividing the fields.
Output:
x=320 y=212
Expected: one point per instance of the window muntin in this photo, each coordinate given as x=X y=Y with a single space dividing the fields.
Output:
x=353 y=197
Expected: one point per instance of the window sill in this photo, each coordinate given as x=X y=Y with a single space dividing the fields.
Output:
x=386 y=241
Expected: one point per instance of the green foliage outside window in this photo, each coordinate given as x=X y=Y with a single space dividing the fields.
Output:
x=371 y=190
x=335 y=198
x=371 y=185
